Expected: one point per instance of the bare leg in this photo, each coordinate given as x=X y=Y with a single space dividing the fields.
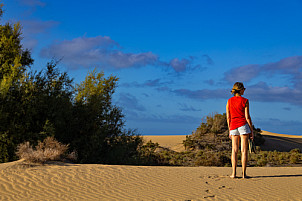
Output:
x=244 y=153
x=235 y=147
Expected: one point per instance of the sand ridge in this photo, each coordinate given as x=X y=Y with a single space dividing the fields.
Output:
x=267 y=133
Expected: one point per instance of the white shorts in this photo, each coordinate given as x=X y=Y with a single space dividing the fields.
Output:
x=241 y=130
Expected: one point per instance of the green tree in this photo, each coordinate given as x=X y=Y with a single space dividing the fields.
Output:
x=14 y=60
x=98 y=126
x=35 y=105
x=32 y=105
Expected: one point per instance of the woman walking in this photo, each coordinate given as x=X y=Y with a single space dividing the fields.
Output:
x=240 y=126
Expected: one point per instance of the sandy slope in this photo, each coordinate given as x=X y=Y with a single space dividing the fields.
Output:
x=108 y=182
x=173 y=142
x=281 y=142
x=61 y=181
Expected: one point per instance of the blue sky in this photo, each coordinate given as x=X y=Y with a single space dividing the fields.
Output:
x=176 y=60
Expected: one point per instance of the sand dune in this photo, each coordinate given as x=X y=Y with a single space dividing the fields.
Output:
x=173 y=142
x=63 y=181
x=281 y=142
x=60 y=181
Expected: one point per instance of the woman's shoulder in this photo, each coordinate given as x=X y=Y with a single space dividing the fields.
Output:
x=238 y=97
x=244 y=100
x=230 y=99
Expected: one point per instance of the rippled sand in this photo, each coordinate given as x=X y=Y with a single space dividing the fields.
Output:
x=63 y=181
x=115 y=182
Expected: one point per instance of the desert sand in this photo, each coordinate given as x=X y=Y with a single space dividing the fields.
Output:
x=64 y=181
x=173 y=142
x=118 y=182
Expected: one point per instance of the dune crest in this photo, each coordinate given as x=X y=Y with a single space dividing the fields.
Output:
x=279 y=135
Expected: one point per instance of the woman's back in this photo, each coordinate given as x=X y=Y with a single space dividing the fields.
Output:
x=237 y=106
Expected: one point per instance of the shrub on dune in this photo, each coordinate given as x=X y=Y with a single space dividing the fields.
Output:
x=48 y=150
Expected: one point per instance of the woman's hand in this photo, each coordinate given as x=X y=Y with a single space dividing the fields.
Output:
x=251 y=135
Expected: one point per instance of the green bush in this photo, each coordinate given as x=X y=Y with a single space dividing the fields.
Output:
x=261 y=162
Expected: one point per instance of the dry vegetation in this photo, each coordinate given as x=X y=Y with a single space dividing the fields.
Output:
x=276 y=158
x=48 y=150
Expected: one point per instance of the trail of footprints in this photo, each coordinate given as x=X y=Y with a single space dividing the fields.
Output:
x=215 y=178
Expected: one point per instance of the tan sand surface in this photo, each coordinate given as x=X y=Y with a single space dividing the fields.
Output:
x=173 y=142
x=280 y=135
x=63 y=181
x=116 y=182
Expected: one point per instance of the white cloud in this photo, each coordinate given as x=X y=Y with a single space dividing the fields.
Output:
x=242 y=73
x=32 y=2
x=264 y=93
x=290 y=66
x=184 y=107
x=148 y=83
x=130 y=102
x=37 y=26
x=102 y=51
x=209 y=60
x=202 y=94
x=97 y=51
x=32 y=28
x=180 y=65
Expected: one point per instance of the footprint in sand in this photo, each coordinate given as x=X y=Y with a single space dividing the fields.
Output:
x=210 y=196
x=222 y=187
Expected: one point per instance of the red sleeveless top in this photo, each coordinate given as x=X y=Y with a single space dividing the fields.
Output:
x=237 y=111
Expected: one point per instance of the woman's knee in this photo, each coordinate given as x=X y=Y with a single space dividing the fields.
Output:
x=244 y=152
x=235 y=150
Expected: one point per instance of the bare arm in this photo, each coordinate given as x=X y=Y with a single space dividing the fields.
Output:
x=249 y=119
x=228 y=116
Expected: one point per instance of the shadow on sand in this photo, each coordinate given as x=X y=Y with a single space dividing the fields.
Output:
x=278 y=176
